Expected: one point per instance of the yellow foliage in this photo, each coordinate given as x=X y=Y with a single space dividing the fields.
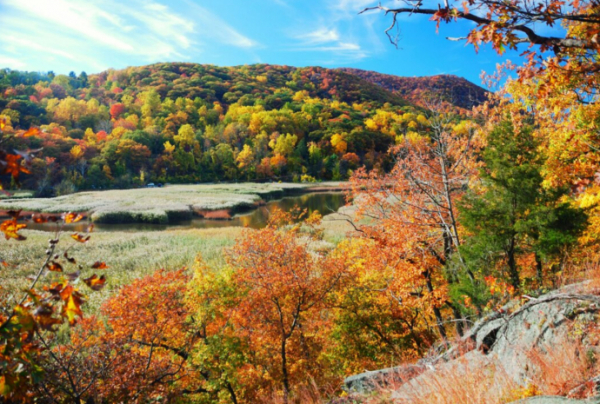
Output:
x=118 y=132
x=134 y=119
x=338 y=143
x=245 y=158
x=284 y=144
x=300 y=96
x=76 y=152
x=169 y=148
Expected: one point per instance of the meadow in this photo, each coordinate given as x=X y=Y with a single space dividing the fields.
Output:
x=133 y=254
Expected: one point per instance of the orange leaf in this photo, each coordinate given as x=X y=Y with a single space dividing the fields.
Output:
x=43 y=316
x=33 y=131
x=72 y=217
x=80 y=238
x=99 y=265
x=54 y=266
x=72 y=303
x=13 y=167
x=39 y=218
x=95 y=283
x=10 y=229
x=70 y=259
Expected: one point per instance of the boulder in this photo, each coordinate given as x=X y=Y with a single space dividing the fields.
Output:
x=554 y=400
x=502 y=339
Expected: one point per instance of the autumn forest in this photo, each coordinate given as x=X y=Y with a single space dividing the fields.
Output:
x=461 y=203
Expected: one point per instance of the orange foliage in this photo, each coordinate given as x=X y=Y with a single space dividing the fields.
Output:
x=142 y=348
x=116 y=110
x=284 y=284
x=413 y=214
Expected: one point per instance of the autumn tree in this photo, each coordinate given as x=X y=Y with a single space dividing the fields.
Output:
x=556 y=85
x=116 y=110
x=284 y=282
x=137 y=352
x=414 y=214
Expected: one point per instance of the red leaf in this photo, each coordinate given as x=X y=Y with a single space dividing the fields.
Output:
x=99 y=265
x=95 y=283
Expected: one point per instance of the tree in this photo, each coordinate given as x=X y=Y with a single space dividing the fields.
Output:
x=510 y=214
x=186 y=137
x=245 y=160
x=284 y=284
x=116 y=110
x=507 y=24
x=284 y=144
x=140 y=353
x=414 y=214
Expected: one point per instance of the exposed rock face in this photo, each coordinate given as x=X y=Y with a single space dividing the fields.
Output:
x=554 y=400
x=502 y=340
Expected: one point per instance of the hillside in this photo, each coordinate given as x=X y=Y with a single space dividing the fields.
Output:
x=184 y=122
x=452 y=89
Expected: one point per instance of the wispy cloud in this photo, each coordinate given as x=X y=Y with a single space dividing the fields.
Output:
x=339 y=32
x=8 y=61
x=328 y=40
x=138 y=30
x=211 y=26
x=321 y=35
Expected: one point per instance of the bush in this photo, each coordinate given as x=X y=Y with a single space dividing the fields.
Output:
x=66 y=187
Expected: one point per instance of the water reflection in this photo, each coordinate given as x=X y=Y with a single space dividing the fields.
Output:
x=323 y=203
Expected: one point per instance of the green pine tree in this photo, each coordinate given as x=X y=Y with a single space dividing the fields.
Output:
x=509 y=213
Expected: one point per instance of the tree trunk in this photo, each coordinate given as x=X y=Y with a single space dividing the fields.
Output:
x=539 y=269
x=513 y=272
x=436 y=310
x=284 y=371
x=232 y=393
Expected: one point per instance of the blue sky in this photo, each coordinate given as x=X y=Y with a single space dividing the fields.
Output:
x=93 y=35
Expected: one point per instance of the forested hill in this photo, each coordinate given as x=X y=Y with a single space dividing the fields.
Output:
x=184 y=122
x=452 y=89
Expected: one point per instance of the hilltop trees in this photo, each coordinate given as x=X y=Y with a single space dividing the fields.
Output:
x=278 y=113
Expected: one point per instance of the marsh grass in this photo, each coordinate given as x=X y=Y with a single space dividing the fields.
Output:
x=20 y=194
x=130 y=255
x=158 y=205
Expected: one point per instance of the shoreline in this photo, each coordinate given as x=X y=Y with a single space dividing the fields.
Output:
x=120 y=214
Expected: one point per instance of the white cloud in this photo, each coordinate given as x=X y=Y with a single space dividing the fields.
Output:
x=352 y=6
x=209 y=24
x=13 y=63
x=321 y=35
x=331 y=42
x=141 y=31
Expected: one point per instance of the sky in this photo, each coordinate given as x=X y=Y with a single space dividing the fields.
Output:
x=94 y=35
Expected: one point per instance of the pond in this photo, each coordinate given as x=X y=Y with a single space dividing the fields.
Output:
x=322 y=202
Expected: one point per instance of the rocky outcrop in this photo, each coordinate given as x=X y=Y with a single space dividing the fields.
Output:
x=503 y=340
x=555 y=400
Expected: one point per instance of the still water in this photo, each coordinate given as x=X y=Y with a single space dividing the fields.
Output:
x=324 y=203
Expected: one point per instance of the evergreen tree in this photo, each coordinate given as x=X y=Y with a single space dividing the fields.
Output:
x=509 y=213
